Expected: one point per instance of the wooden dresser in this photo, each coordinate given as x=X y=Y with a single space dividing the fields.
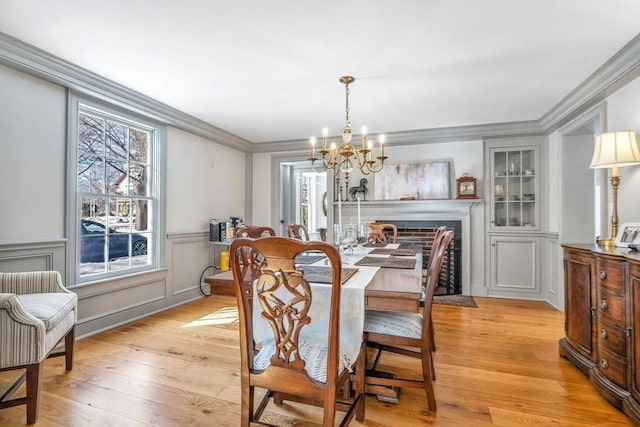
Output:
x=602 y=319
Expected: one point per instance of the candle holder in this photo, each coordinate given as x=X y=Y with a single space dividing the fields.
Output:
x=363 y=233
x=337 y=235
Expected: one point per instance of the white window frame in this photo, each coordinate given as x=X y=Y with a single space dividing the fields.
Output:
x=78 y=103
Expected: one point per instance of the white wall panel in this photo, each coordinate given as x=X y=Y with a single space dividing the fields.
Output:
x=204 y=180
x=623 y=112
x=32 y=157
x=189 y=255
x=262 y=198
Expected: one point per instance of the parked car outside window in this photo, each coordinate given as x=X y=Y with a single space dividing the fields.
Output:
x=94 y=235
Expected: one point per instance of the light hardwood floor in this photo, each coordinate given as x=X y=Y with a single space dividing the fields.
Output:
x=497 y=364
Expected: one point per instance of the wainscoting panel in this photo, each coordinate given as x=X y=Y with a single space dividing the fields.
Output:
x=33 y=256
x=188 y=254
x=111 y=303
x=553 y=277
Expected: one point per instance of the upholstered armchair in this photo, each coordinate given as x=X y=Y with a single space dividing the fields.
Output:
x=36 y=313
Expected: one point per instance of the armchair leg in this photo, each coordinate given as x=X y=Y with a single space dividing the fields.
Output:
x=69 y=341
x=34 y=374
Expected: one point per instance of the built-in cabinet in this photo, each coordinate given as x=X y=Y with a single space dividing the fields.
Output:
x=602 y=319
x=514 y=186
x=514 y=264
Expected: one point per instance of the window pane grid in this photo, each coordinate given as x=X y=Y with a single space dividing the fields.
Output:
x=114 y=189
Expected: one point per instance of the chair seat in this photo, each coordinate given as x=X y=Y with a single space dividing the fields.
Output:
x=314 y=354
x=51 y=308
x=394 y=323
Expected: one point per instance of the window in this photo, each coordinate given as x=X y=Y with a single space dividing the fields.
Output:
x=116 y=193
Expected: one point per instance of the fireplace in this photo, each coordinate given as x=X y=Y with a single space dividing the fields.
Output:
x=419 y=232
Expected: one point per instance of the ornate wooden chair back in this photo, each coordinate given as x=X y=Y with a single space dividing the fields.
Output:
x=251 y=257
x=379 y=233
x=278 y=360
x=255 y=231
x=298 y=231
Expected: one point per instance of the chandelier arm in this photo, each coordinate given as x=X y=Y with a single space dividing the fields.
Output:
x=358 y=161
x=373 y=169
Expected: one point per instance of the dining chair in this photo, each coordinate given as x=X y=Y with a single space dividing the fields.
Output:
x=298 y=231
x=379 y=233
x=288 y=345
x=36 y=314
x=407 y=333
x=255 y=231
x=437 y=236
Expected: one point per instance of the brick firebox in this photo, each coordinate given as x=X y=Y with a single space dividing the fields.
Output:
x=421 y=233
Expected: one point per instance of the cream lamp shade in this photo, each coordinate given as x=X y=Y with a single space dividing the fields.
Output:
x=614 y=149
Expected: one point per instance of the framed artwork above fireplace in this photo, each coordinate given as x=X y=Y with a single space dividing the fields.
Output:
x=416 y=181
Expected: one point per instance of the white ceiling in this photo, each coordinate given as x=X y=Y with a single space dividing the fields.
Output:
x=268 y=70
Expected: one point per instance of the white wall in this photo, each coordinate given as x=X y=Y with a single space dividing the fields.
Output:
x=553 y=182
x=262 y=197
x=623 y=112
x=32 y=157
x=577 y=191
x=204 y=180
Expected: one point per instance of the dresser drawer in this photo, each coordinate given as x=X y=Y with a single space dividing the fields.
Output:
x=612 y=307
x=581 y=257
x=613 y=367
x=611 y=274
x=612 y=339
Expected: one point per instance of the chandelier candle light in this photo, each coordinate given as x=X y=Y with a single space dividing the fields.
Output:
x=343 y=157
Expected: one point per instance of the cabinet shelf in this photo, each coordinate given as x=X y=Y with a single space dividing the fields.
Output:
x=514 y=187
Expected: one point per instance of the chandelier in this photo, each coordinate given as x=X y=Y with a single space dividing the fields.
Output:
x=344 y=157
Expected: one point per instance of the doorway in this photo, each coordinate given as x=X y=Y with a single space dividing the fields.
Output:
x=304 y=198
x=584 y=190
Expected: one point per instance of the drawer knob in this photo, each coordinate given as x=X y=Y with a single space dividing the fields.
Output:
x=604 y=364
x=603 y=304
x=603 y=333
x=603 y=274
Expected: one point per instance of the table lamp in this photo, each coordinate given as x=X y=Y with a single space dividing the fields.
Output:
x=612 y=150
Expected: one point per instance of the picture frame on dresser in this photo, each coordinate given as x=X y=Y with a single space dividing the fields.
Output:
x=628 y=233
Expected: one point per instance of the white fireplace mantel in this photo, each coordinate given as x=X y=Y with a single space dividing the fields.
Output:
x=406 y=209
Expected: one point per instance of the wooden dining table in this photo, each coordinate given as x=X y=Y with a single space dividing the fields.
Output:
x=393 y=289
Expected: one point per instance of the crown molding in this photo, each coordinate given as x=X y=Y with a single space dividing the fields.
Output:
x=22 y=56
x=424 y=136
x=623 y=67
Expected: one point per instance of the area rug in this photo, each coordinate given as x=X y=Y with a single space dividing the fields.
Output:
x=458 y=300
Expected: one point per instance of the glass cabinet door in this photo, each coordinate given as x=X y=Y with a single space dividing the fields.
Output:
x=514 y=188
